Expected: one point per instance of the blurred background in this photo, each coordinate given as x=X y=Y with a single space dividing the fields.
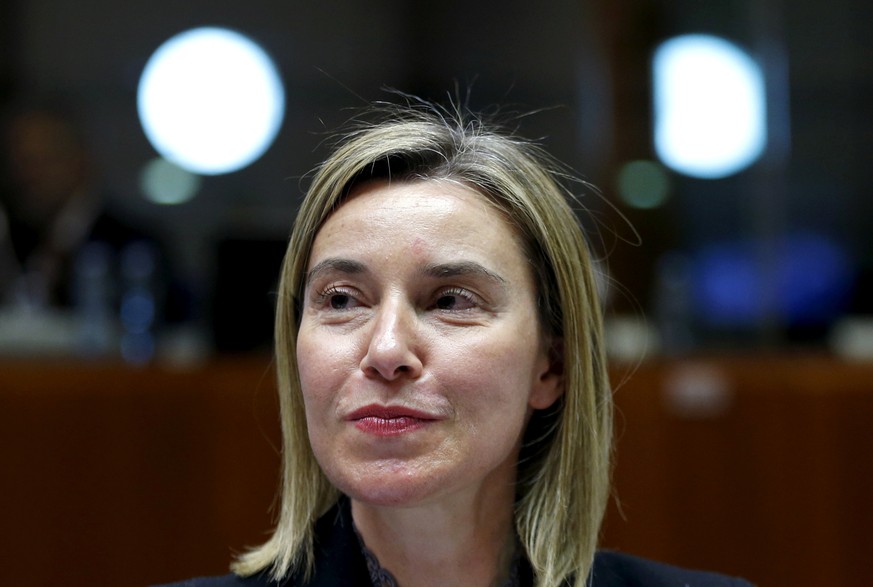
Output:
x=730 y=145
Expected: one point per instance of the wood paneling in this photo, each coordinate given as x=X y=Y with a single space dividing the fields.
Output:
x=114 y=476
x=119 y=476
x=767 y=481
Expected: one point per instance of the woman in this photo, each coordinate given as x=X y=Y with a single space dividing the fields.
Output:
x=445 y=404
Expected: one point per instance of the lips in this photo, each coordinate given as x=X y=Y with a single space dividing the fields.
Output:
x=381 y=420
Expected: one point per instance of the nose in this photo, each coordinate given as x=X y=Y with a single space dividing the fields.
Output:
x=392 y=352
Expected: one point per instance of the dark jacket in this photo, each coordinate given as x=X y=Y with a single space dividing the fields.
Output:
x=339 y=562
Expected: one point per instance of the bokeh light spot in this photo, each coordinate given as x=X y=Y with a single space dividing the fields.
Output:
x=163 y=182
x=643 y=184
x=709 y=106
x=210 y=100
x=810 y=279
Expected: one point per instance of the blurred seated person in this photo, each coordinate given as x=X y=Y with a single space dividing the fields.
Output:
x=56 y=224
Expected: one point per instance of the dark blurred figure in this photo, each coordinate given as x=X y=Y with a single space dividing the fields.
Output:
x=51 y=208
x=62 y=247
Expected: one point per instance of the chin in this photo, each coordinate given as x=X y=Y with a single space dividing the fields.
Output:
x=385 y=497
x=394 y=488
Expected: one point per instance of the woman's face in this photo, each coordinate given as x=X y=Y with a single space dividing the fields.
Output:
x=419 y=349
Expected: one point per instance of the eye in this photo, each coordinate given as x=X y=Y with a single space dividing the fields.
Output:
x=455 y=299
x=339 y=301
x=336 y=298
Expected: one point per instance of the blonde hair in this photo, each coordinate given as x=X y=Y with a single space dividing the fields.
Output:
x=564 y=468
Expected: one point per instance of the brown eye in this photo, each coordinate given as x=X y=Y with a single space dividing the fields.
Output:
x=339 y=301
x=338 y=298
x=455 y=299
x=446 y=302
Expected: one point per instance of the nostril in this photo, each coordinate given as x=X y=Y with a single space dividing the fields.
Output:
x=386 y=371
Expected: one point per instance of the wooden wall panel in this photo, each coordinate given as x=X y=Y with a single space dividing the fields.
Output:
x=117 y=476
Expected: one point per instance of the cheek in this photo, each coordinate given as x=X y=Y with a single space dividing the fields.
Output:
x=495 y=382
x=315 y=386
x=305 y=358
x=315 y=377
x=322 y=358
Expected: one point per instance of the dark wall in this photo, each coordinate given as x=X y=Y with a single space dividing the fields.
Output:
x=583 y=65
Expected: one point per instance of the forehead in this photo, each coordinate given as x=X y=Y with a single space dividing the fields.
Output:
x=421 y=193
x=436 y=200
x=438 y=216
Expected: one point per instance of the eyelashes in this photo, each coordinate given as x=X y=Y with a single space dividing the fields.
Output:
x=337 y=298
x=446 y=299
x=456 y=299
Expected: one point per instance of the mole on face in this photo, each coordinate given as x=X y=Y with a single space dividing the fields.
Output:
x=419 y=247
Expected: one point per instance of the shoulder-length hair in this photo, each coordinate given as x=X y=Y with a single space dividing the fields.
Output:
x=564 y=467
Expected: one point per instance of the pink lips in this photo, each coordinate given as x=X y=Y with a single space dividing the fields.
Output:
x=389 y=420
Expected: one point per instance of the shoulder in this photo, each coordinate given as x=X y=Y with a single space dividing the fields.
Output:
x=338 y=559
x=615 y=569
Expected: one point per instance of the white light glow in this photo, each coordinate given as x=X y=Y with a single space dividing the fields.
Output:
x=710 y=113
x=210 y=100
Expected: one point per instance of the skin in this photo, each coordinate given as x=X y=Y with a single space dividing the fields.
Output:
x=421 y=359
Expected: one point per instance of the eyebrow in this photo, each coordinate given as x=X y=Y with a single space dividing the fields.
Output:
x=337 y=265
x=461 y=269
x=436 y=270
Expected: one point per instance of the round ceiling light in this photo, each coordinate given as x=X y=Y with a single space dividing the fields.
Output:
x=709 y=106
x=210 y=100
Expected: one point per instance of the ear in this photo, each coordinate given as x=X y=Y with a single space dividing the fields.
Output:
x=549 y=383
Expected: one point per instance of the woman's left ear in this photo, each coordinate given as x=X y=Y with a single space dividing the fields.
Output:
x=549 y=385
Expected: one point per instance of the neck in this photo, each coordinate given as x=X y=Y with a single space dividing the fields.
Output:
x=465 y=541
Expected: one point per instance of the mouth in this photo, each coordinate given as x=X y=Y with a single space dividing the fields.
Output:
x=381 y=420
